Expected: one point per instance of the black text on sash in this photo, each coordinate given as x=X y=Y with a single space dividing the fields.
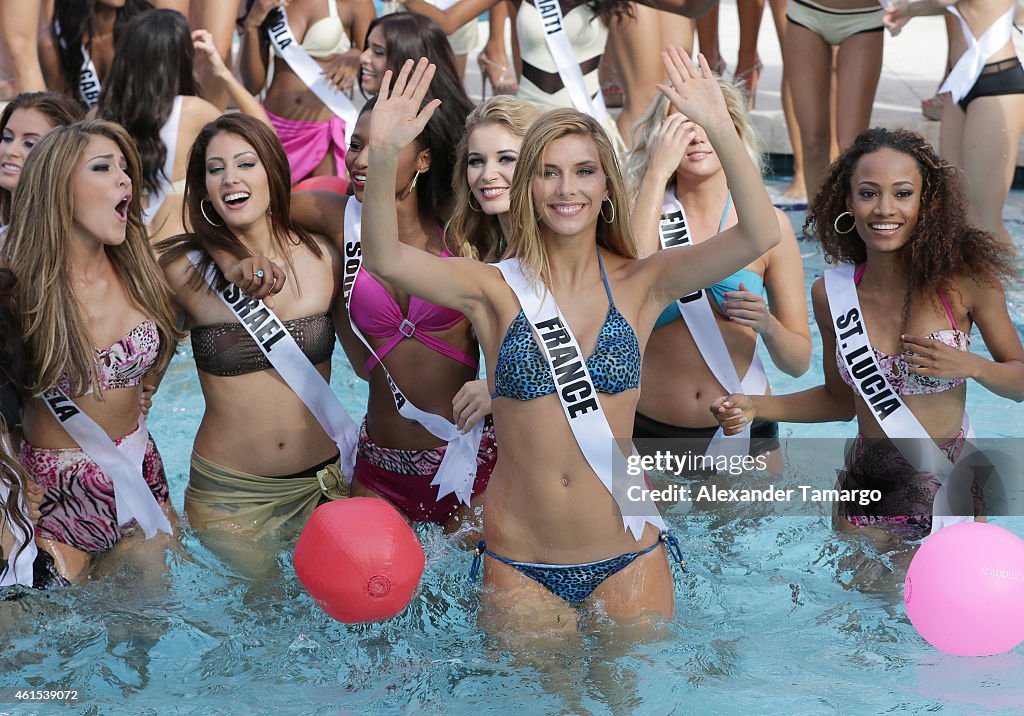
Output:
x=280 y=32
x=863 y=370
x=89 y=88
x=550 y=16
x=673 y=231
x=266 y=329
x=570 y=379
x=62 y=406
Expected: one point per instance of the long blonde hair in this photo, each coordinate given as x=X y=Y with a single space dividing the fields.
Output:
x=525 y=241
x=470 y=232
x=37 y=249
x=646 y=129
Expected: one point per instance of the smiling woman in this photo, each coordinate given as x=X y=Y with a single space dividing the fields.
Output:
x=892 y=214
x=78 y=249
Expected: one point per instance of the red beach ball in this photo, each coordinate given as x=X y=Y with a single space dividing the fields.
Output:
x=359 y=560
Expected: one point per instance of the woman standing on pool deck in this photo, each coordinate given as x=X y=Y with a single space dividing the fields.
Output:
x=584 y=30
x=86 y=276
x=311 y=122
x=892 y=209
x=545 y=504
x=672 y=174
x=983 y=124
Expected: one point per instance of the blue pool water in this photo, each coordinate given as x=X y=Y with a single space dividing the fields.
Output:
x=767 y=622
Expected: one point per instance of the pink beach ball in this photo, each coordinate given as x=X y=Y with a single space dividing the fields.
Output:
x=964 y=591
x=359 y=560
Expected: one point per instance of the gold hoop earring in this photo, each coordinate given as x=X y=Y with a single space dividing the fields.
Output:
x=202 y=210
x=835 y=224
x=612 y=205
x=473 y=208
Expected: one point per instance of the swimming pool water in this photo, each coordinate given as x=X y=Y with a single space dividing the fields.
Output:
x=768 y=621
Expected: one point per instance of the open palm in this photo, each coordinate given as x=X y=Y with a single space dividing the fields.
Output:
x=399 y=115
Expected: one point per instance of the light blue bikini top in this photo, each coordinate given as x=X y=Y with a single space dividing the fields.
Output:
x=522 y=371
x=753 y=281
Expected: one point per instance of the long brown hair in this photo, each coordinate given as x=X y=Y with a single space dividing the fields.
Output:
x=37 y=250
x=14 y=477
x=205 y=235
x=60 y=110
x=942 y=247
x=525 y=241
x=470 y=232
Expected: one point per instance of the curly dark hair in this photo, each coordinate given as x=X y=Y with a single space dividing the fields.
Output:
x=942 y=247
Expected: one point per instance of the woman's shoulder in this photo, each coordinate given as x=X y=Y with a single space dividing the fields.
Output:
x=197 y=113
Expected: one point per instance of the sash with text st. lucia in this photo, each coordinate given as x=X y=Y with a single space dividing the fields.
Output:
x=700 y=320
x=121 y=463
x=892 y=414
x=578 y=396
x=457 y=471
x=566 y=61
x=280 y=348
x=285 y=46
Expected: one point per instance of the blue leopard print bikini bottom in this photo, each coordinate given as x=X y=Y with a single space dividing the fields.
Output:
x=573 y=583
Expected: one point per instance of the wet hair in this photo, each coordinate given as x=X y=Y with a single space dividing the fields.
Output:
x=439 y=137
x=152 y=66
x=72 y=21
x=38 y=252
x=60 y=110
x=204 y=235
x=647 y=128
x=941 y=248
x=525 y=241
x=14 y=477
x=471 y=232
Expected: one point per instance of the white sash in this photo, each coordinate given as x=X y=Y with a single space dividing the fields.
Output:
x=89 y=81
x=121 y=463
x=566 y=61
x=700 y=320
x=457 y=471
x=169 y=136
x=280 y=348
x=578 y=396
x=968 y=68
x=285 y=46
x=892 y=414
x=20 y=570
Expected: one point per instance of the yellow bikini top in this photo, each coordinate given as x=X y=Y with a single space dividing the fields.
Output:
x=326 y=36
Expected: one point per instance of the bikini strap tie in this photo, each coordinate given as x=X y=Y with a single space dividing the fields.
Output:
x=478 y=558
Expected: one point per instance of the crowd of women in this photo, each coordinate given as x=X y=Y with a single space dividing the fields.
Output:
x=577 y=261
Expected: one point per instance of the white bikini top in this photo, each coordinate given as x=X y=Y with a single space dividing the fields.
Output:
x=326 y=36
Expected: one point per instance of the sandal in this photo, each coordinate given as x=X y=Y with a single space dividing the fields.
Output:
x=502 y=78
x=749 y=79
x=932 y=107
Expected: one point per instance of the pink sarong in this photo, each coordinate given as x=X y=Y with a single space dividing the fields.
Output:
x=307 y=143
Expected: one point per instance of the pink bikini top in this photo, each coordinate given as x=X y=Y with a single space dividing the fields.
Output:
x=377 y=314
x=895 y=369
x=123 y=364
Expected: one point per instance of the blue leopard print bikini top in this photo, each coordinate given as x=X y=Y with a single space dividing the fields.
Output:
x=522 y=370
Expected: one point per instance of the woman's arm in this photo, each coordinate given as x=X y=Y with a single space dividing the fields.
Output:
x=253 y=52
x=243 y=99
x=454 y=17
x=826 y=403
x=1004 y=374
x=363 y=13
x=785 y=329
x=321 y=212
x=899 y=13
x=677 y=271
x=668 y=151
x=396 y=121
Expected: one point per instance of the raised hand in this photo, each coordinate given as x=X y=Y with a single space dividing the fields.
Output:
x=258 y=277
x=693 y=91
x=202 y=40
x=397 y=118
